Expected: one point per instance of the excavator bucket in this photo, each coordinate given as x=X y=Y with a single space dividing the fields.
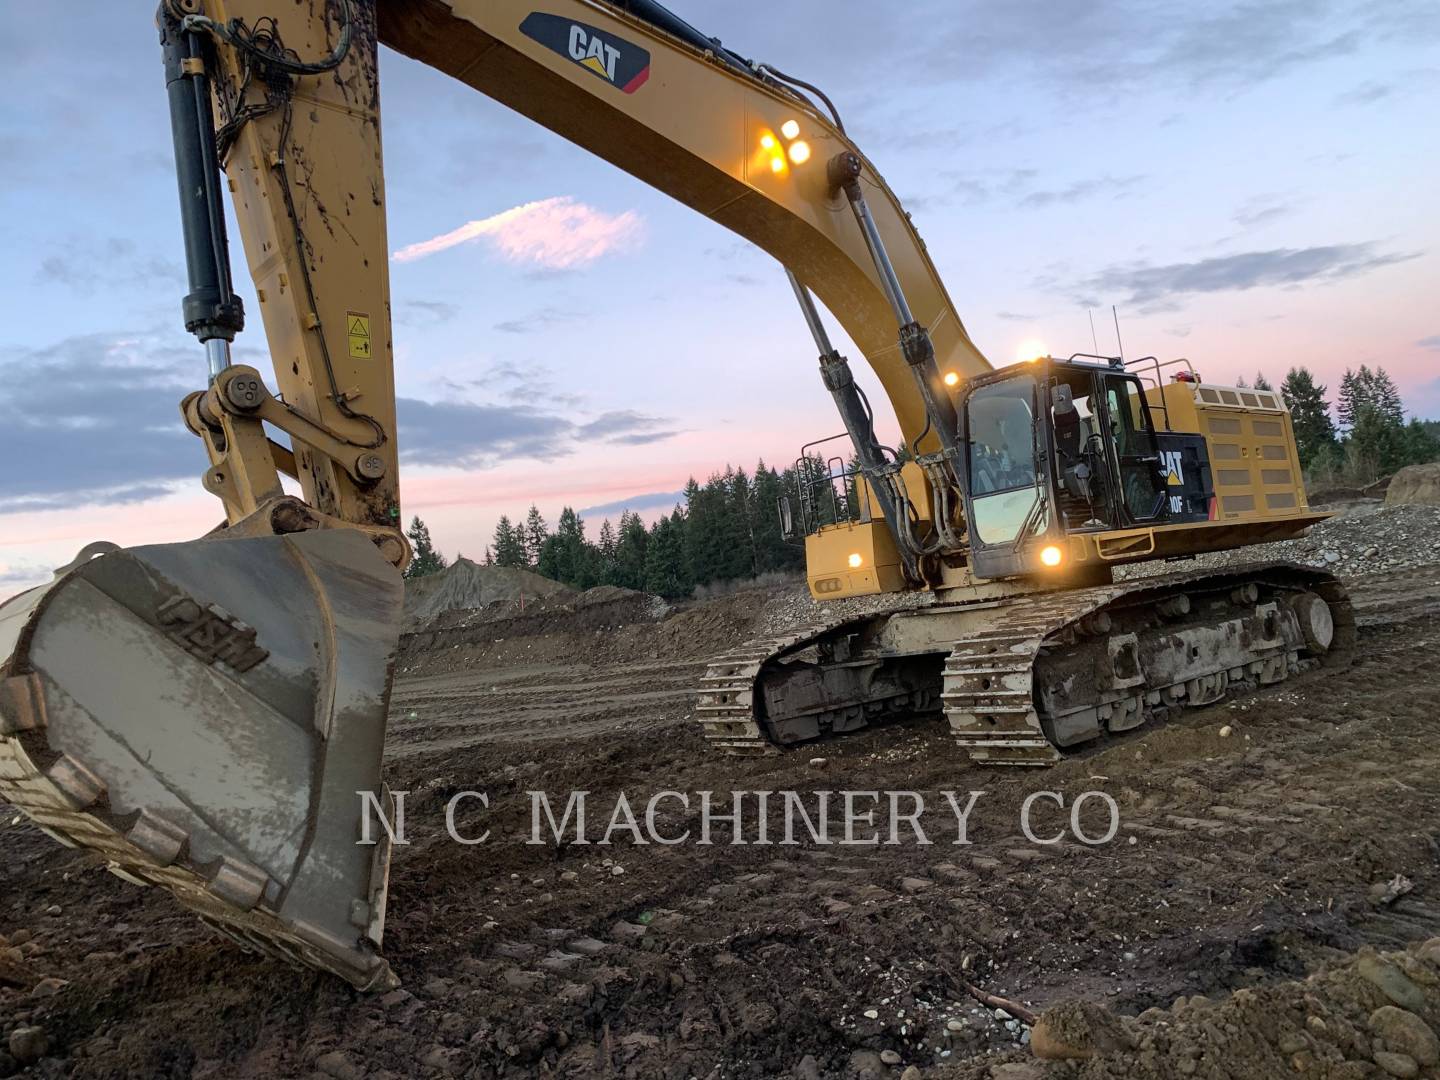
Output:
x=205 y=716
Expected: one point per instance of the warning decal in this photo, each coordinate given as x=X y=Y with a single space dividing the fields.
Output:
x=358 y=329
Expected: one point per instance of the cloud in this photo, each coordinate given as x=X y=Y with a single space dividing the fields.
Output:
x=654 y=500
x=626 y=427
x=557 y=234
x=24 y=574
x=1115 y=186
x=1117 y=49
x=535 y=321
x=1261 y=210
x=1431 y=342
x=85 y=264
x=95 y=419
x=1016 y=186
x=1015 y=316
x=461 y=434
x=425 y=312
x=1367 y=93
x=1155 y=287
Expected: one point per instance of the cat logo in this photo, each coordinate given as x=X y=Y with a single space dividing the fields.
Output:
x=617 y=61
x=1175 y=474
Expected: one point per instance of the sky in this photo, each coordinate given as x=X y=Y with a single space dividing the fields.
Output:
x=1251 y=185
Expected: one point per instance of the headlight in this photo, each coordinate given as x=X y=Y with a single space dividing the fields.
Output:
x=1051 y=555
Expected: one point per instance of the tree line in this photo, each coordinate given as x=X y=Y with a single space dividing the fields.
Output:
x=727 y=529
x=1367 y=437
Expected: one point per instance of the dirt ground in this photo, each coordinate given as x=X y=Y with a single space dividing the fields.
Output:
x=1260 y=842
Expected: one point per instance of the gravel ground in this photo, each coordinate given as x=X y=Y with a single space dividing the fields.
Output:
x=1366 y=539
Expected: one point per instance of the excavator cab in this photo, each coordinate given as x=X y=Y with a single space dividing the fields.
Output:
x=1054 y=448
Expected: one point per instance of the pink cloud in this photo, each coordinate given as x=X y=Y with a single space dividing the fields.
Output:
x=557 y=233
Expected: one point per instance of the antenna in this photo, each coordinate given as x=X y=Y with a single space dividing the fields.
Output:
x=1118 y=344
x=1094 y=344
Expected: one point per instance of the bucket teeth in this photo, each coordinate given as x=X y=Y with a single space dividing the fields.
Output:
x=77 y=785
x=239 y=884
x=157 y=838
x=22 y=704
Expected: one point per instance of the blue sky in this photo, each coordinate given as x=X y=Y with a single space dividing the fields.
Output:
x=1251 y=184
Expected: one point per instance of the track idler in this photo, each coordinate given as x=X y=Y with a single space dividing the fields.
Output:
x=204 y=716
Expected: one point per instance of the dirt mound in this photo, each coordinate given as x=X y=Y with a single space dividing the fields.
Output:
x=1415 y=485
x=465 y=585
x=1372 y=1016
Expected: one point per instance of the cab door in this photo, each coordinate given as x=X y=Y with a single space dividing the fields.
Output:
x=1137 y=457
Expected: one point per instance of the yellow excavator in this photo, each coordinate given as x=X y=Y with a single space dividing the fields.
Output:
x=209 y=716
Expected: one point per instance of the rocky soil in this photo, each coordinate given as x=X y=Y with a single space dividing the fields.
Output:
x=1266 y=898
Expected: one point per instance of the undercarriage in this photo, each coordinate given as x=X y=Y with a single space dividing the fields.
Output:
x=1023 y=679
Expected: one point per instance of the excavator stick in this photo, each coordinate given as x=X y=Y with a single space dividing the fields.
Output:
x=205 y=716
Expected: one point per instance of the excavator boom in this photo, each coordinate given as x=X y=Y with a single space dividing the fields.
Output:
x=209 y=716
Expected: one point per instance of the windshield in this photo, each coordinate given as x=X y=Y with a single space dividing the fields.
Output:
x=1003 y=482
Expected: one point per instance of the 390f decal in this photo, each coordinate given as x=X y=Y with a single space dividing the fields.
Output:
x=599 y=52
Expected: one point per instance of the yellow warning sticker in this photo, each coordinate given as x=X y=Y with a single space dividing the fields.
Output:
x=358 y=329
x=1172 y=479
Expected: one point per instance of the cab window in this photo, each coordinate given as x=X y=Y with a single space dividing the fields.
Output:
x=1004 y=486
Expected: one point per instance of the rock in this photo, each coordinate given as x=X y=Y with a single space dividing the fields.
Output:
x=1397 y=1065
x=1415 y=485
x=867 y=1062
x=910 y=1073
x=890 y=1057
x=395 y=998
x=338 y=1064
x=53 y=911
x=819 y=762
x=1331 y=557
x=28 y=1044
x=20 y=937
x=954 y=1025
x=913 y=885
x=872 y=1014
x=807 y=1068
x=1430 y=951
x=1390 y=981
x=446 y=1061
x=1226 y=731
x=617 y=870
x=569 y=875
x=1076 y=1030
x=1405 y=1033
x=48 y=988
x=627 y=931
x=1016 y=1070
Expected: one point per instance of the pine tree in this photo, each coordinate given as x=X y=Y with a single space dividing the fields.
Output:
x=535 y=534
x=424 y=559
x=665 y=571
x=1356 y=391
x=1384 y=395
x=1262 y=383
x=489 y=556
x=1420 y=444
x=509 y=545
x=630 y=547
x=1309 y=415
x=1376 y=445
